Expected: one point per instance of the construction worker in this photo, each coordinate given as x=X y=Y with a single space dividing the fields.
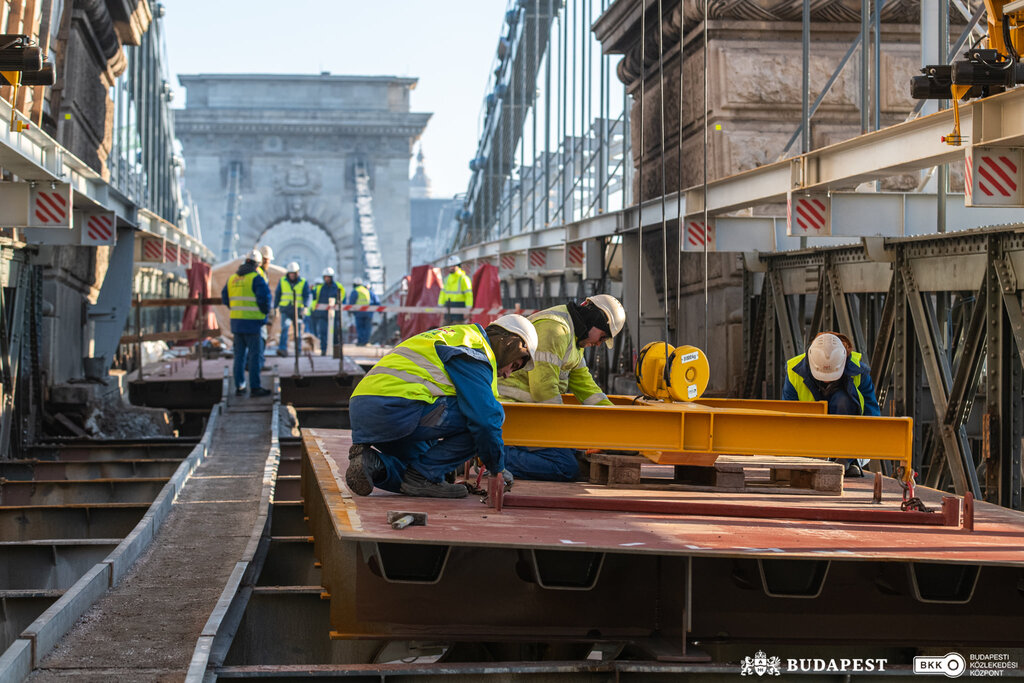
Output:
x=457 y=293
x=322 y=294
x=562 y=334
x=247 y=296
x=268 y=255
x=292 y=297
x=362 y=296
x=832 y=371
x=431 y=404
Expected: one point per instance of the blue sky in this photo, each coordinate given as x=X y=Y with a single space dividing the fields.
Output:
x=449 y=45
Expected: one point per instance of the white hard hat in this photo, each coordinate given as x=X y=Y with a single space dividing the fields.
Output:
x=254 y=256
x=293 y=267
x=357 y=281
x=826 y=358
x=267 y=252
x=614 y=311
x=328 y=272
x=518 y=325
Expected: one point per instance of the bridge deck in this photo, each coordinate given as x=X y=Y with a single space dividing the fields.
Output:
x=996 y=539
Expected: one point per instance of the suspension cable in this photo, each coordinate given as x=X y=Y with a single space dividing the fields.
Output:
x=640 y=180
x=705 y=187
x=680 y=229
x=664 y=223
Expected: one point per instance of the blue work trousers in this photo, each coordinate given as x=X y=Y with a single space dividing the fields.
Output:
x=440 y=443
x=542 y=464
x=364 y=324
x=287 y=320
x=248 y=353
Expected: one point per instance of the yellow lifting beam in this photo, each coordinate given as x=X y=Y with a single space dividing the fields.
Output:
x=804 y=407
x=668 y=433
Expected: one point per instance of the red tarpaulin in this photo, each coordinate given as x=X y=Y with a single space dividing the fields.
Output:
x=198 y=286
x=486 y=292
x=424 y=287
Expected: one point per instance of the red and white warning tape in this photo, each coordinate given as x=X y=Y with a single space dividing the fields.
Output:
x=354 y=308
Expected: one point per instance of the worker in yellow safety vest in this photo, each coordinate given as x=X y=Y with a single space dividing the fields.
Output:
x=432 y=404
x=457 y=293
x=247 y=296
x=362 y=295
x=292 y=297
x=563 y=332
x=832 y=371
x=323 y=292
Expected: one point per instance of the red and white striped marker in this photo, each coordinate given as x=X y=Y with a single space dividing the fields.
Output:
x=508 y=262
x=99 y=229
x=993 y=176
x=49 y=207
x=696 y=235
x=574 y=255
x=170 y=252
x=152 y=250
x=538 y=258
x=808 y=215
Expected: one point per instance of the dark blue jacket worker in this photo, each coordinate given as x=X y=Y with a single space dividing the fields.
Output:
x=247 y=296
x=432 y=404
x=322 y=295
x=290 y=289
x=362 y=296
x=831 y=371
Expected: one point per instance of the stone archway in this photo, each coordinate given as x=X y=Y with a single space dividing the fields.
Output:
x=312 y=244
x=282 y=149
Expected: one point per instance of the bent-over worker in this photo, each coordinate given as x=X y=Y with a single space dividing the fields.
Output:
x=432 y=404
x=832 y=371
x=560 y=367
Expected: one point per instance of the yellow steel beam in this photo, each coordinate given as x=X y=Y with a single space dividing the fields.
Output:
x=665 y=431
x=804 y=407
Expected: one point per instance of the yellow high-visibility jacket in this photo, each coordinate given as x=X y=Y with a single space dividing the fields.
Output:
x=413 y=369
x=457 y=288
x=559 y=366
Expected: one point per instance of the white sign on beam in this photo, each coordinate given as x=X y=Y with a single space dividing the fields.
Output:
x=695 y=235
x=807 y=215
x=49 y=206
x=993 y=176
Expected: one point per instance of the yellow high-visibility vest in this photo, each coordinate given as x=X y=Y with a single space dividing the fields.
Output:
x=290 y=292
x=803 y=393
x=242 y=298
x=458 y=288
x=413 y=369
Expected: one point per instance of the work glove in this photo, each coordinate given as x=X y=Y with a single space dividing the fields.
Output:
x=509 y=479
x=305 y=311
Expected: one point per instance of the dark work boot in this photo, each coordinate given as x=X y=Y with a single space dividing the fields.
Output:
x=853 y=470
x=363 y=466
x=415 y=484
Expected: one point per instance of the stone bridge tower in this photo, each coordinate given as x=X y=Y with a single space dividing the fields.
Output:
x=270 y=158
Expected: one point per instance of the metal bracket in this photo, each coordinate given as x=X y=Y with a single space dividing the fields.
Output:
x=875 y=249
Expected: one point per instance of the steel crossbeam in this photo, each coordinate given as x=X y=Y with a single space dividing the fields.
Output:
x=667 y=433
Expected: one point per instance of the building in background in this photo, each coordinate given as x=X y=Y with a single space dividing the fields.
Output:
x=432 y=218
x=272 y=159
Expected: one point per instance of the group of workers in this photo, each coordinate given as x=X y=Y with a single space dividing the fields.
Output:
x=434 y=402
x=247 y=295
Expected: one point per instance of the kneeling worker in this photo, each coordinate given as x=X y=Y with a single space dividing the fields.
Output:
x=562 y=334
x=431 y=404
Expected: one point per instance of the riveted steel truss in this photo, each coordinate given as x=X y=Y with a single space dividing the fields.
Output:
x=940 y=319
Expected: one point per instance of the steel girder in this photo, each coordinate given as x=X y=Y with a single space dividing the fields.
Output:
x=950 y=308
